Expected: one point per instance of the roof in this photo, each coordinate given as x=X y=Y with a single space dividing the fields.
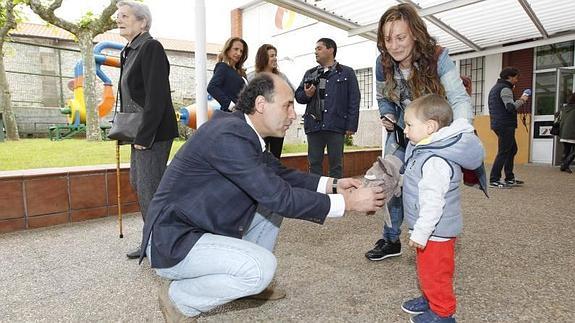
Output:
x=53 y=32
x=469 y=28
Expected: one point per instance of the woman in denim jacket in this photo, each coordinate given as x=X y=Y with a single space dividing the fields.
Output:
x=410 y=65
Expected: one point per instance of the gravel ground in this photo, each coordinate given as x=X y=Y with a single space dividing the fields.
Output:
x=514 y=263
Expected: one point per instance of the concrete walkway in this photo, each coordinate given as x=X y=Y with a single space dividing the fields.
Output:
x=515 y=263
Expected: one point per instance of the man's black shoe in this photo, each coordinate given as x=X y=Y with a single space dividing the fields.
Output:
x=384 y=249
x=514 y=182
x=134 y=254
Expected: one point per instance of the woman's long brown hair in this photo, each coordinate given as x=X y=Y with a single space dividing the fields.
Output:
x=423 y=78
x=262 y=58
x=223 y=55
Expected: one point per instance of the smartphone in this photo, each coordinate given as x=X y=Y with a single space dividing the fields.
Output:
x=394 y=123
x=387 y=118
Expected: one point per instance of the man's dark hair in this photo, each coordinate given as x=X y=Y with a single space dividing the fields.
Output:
x=262 y=84
x=508 y=72
x=329 y=43
x=571 y=99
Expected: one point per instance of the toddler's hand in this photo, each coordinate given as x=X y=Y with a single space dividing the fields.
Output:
x=415 y=245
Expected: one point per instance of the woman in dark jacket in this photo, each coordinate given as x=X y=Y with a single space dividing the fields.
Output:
x=229 y=74
x=567 y=133
x=145 y=87
x=267 y=61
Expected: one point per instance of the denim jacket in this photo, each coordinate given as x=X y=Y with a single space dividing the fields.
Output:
x=450 y=79
x=342 y=99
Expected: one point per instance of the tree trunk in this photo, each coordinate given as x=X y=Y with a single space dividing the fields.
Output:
x=6 y=102
x=92 y=120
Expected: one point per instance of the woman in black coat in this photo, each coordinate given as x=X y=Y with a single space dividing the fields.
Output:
x=229 y=74
x=145 y=87
x=567 y=133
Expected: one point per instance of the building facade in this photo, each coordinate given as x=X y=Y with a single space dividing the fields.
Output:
x=548 y=70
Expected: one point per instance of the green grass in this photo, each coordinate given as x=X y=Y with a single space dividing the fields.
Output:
x=43 y=153
x=302 y=148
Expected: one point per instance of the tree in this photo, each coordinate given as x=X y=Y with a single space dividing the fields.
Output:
x=85 y=31
x=7 y=23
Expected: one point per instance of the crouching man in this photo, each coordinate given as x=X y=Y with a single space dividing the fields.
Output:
x=206 y=231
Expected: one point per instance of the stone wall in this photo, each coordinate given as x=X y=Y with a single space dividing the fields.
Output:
x=34 y=121
x=38 y=72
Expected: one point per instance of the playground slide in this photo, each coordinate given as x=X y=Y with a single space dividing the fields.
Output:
x=76 y=107
x=108 y=100
x=187 y=115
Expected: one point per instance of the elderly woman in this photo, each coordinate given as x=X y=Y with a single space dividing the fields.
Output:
x=267 y=61
x=145 y=87
x=229 y=74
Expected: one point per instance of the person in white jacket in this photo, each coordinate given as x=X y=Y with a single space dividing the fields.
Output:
x=437 y=151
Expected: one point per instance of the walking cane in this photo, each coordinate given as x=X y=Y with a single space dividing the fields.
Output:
x=118 y=187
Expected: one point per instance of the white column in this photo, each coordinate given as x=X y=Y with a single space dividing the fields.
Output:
x=200 y=63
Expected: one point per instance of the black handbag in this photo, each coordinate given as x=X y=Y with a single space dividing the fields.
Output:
x=556 y=127
x=125 y=126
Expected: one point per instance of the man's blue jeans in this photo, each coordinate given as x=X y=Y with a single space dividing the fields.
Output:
x=221 y=269
x=395 y=205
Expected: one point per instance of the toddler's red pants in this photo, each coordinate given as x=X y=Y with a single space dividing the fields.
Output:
x=435 y=268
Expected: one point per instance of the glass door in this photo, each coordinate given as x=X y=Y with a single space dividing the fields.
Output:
x=552 y=89
x=565 y=82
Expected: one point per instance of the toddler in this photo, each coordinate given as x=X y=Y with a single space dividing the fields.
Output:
x=437 y=151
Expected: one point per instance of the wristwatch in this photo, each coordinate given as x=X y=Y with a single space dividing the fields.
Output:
x=334 y=186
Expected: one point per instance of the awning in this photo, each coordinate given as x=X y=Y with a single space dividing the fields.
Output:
x=469 y=28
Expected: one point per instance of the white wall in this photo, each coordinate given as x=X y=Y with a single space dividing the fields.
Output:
x=491 y=74
x=296 y=41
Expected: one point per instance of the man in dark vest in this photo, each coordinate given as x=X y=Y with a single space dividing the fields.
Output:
x=503 y=114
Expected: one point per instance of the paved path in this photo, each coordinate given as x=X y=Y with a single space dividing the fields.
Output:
x=515 y=263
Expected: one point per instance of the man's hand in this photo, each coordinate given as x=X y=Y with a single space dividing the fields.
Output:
x=138 y=147
x=309 y=90
x=349 y=132
x=365 y=199
x=348 y=184
x=388 y=124
x=415 y=245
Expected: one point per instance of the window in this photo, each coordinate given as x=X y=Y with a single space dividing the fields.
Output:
x=547 y=59
x=365 y=81
x=545 y=87
x=473 y=68
x=554 y=55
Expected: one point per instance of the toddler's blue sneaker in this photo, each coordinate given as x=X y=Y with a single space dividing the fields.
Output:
x=430 y=317
x=415 y=306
